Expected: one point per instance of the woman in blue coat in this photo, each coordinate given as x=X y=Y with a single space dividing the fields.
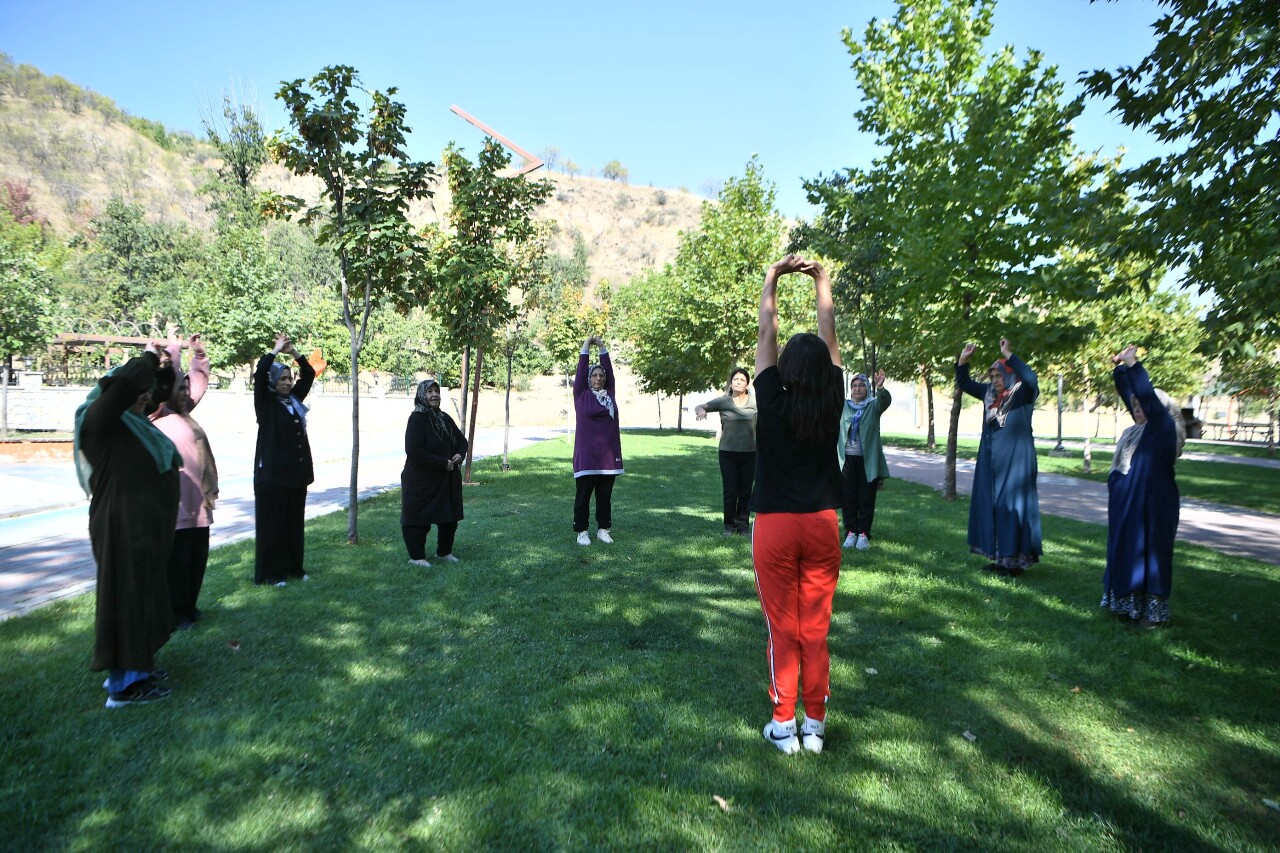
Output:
x=1142 y=501
x=1004 y=509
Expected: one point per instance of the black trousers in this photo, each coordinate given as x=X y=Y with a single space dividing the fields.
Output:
x=187 y=562
x=737 y=474
x=601 y=485
x=859 y=496
x=278 y=515
x=415 y=539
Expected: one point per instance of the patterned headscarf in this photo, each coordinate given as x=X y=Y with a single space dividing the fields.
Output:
x=420 y=396
x=857 y=408
x=996 y=406
x=602 y=396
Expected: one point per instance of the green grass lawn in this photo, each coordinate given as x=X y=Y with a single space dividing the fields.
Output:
x=542 y=695
x=1248 y=486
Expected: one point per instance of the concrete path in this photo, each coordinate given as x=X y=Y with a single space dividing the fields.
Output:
x=1231 y=530
x=45 y=556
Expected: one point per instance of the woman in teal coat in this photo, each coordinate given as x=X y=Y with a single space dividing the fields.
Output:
x=862 y=457
x=1004 y=508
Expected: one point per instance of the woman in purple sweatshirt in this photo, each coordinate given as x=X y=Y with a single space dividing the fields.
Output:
x=597 y=448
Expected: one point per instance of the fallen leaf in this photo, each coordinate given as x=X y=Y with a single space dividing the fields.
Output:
x=1075 y=689
x=1271 y=804
x=235 y=645
x=969 y=736
x=721 y=802
x=871 y=671
x=720 y=745
x=1130 y=729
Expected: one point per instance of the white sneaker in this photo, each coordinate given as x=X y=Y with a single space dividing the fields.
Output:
x=813 y=732
x=423 y=563
x=863 y=542
x=282 y=584
x=448 y=558
x=783 y=736
x=584 y=538
x=603 y=536
x=850 y=540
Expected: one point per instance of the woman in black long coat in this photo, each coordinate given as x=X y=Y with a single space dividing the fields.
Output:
x=431 y=482
x=131 y=470
x=282 y=467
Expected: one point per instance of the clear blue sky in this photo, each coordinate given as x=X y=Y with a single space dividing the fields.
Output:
x=682 y=93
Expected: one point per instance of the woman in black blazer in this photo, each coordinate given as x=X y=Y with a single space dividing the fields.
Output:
x=282 y=467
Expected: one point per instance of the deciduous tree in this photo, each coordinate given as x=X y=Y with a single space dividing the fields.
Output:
x=1208 y=89
x=368 y=181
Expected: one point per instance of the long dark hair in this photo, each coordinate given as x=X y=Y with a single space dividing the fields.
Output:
x=728 y=385
x=814 y=396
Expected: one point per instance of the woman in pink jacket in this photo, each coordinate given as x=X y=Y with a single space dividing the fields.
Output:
x=198 y=480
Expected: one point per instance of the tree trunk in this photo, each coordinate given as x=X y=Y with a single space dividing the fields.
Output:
x=1272 y=399
x=466 y=382
x=953 y=430
x=1087 y=462
x=475 y=407
x=931 y=436
x=4 y=404
x=353 y=502
x=506 y=417
x=659 y=396
x=680 y=413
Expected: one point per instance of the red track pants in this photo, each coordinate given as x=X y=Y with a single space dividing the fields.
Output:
x=797 y=564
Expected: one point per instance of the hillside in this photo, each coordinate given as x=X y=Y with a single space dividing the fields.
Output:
x=76 y=149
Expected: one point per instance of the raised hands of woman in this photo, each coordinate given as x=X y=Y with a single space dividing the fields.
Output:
x=1128 y=355
x=1004 y=348
x=966 y=353
x=196 y=343
x=879 y=379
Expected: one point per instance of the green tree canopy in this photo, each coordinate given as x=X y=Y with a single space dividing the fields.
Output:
x=1209 y=90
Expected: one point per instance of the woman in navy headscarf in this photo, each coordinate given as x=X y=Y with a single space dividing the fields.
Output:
x=282 y=467
x=1142 y=499
x=1004 y=508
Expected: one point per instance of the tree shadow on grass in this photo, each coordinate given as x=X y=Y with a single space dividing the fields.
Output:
x=540 y=694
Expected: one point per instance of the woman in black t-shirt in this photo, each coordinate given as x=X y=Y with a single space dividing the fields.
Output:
x=795 y=545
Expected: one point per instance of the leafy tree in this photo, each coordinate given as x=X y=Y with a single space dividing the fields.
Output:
x=979 y=180
x=693 y=321
x=614 y=171
x=240 y=304
x=132 y=268
x=485 y=256
x=367 y=182
x=1208 y=90
x=242 y=150
x=25 y=300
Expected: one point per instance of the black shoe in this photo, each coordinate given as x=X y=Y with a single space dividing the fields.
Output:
x=138 y=693
x=991 y=567
x=1011 y=572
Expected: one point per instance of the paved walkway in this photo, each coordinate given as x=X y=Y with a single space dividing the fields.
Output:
x=45 y=556
x=1231 y=530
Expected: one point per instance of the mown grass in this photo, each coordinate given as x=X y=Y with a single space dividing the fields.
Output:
x=541 y=695
x=1233 y=484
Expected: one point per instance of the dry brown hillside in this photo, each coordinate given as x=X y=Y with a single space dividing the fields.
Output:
x=75 y=156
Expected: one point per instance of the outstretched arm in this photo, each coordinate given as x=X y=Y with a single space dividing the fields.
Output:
x=826 y=308
x=767 y=338
x=197 y=370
